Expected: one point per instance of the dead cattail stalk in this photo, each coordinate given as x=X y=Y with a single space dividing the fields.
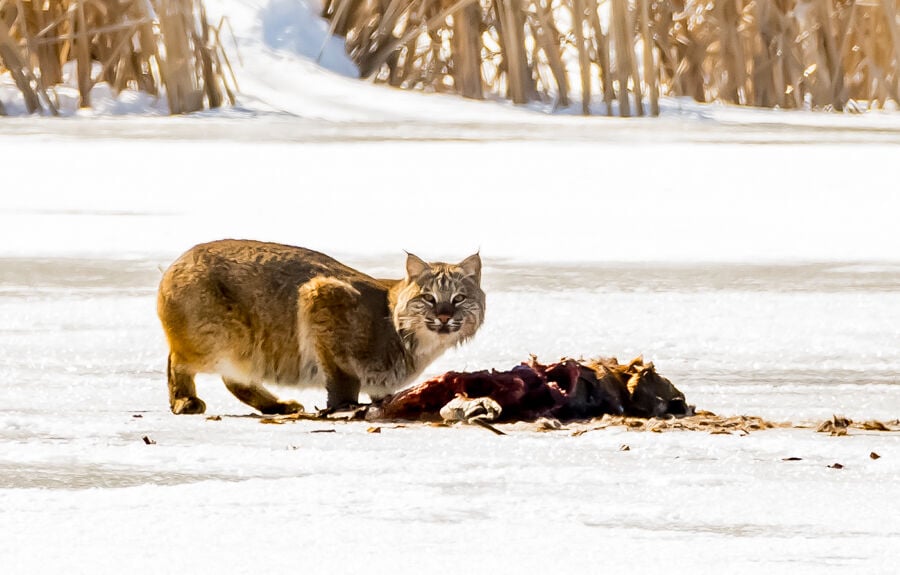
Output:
x=208 y=61
x=580 y=10
x=10 y=58
x=467 y=52
x=338 y=21
x=889 y=8
x=84 y=56
x=651 y=77
x=601 y=48
x=113 y=58
x=833 y=56
x=223 y=55
x=634 y=70
x=844 y=29
x=547 y=37
x=182 y=89
x=371 y=64
x=731 y=53
x=511 y=32
x=621 y=35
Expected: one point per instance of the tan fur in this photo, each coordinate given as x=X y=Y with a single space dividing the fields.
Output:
x=257 y=312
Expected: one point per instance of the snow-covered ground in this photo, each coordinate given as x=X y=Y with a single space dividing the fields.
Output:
x=753 y=256
x=82 y=358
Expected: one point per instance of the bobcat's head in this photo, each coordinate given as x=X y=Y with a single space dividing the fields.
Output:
x=440 y=304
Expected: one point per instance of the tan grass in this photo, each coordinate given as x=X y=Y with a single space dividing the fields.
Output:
x=819 y=54
x=147 y=45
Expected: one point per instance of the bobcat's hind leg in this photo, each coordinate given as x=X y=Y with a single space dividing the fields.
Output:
x=182 y=391
x=260 y=398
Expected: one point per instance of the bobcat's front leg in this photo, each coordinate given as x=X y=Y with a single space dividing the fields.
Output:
x=330 y=317
x=343 y=389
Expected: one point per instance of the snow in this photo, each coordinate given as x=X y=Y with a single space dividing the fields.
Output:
x=752 y=256
x=582 y=202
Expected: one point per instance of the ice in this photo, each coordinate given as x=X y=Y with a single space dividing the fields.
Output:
x=752 y=256
x=83 y=365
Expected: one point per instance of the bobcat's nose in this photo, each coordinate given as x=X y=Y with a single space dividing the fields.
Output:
x=444 y=312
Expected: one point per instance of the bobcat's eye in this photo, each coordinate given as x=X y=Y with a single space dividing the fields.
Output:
x=429 y=299
x=459 y=298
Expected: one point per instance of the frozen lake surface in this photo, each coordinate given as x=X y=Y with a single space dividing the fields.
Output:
x=738 y=317
x=777 y=296
x=82 y=364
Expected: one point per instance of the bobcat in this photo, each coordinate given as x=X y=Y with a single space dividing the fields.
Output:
x=254 y=312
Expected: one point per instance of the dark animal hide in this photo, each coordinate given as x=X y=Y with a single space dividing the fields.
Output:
x=567 y=390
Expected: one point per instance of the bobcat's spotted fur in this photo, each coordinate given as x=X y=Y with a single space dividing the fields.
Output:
x=257 y=312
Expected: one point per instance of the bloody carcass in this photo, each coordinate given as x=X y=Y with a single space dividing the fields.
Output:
x=566 y=390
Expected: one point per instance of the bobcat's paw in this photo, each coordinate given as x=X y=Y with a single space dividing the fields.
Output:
x=283 y=407
x=188 y=405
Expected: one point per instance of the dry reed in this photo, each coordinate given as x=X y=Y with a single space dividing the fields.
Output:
x=820 y=54
x=143 y=45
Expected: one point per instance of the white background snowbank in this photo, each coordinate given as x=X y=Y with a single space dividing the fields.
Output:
x=531 y=201
x=364 y=172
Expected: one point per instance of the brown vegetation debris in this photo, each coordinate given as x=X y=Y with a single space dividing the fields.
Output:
x=838 y=426
x=577 y=396
x=548 y=424
x=713 y=424
x=834 y=426
x=488 y=426
x=873 y=425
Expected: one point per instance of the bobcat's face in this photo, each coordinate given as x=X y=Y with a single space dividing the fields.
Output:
x=442 y=300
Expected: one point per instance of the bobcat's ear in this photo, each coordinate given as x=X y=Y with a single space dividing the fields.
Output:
x=471 y=266
x=415 y=266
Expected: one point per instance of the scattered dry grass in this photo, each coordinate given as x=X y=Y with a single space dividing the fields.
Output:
x=821 y=54
x=146 y=45
x=736 y=424
x=702 y=421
